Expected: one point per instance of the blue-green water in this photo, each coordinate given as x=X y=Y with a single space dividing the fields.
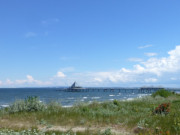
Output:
x=9 y=95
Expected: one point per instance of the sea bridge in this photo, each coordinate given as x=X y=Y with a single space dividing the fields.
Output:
x=115 y=89
x=76 y=88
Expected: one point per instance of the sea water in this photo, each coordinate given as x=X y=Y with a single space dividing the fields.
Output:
x=9 y=95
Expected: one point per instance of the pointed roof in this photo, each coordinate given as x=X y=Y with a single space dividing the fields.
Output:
x=74 y=85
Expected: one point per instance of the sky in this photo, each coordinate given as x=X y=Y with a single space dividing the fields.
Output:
x=103 y=43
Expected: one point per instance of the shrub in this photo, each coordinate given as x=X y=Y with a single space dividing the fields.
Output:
x=30 y=104
x=163 y=93
x=162 y=109
x=115 y=102
x=107 y=132
x=54 y=106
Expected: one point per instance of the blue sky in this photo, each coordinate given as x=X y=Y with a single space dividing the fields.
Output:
x=95 y=42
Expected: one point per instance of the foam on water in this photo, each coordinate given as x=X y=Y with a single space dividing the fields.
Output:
x=70 y=98
x=95 y=97
x=142 y=95
x=129 y=99
x=67 y=106
x=4 y=105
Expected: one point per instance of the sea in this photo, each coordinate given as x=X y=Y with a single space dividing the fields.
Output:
x=67 y=99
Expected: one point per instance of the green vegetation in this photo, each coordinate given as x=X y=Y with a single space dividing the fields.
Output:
x=156 y=114
x=163 y=93
x=37 y=132
x=30 y=104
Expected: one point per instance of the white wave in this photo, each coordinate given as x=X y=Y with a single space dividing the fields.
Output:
x=4 y=105
x=129 y=99
x=70 y=98
x=85 y=97
x=111 y=95
x=66 y=106
x=95 y=97
x=142 y=95
x=111 y=99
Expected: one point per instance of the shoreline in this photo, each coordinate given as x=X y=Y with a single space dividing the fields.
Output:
x=89 y=102
x=139 y=115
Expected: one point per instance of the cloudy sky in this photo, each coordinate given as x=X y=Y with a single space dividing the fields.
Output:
x=94 y=42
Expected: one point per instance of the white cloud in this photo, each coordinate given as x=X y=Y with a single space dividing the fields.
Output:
x=30 y=78
x=106 y=76
x=30 y=34
x=28 y=81
x=1 y=83
x=135 y=59
x=153 y=70
x=9 y=82
x=151 y=80
x=145 y=46
x=165 y=64
x=98 y=79
x=60 y=74
x=150 y=54
x=20 y=81
x=49 y=21
x=147 y=71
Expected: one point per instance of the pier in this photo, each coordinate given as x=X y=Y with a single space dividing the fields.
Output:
x=76 y=88
x=115 y=89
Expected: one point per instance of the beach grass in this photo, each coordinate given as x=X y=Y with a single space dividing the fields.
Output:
x=138 y=116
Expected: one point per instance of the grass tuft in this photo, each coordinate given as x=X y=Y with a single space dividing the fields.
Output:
x=163 y=93
x=30 y=104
